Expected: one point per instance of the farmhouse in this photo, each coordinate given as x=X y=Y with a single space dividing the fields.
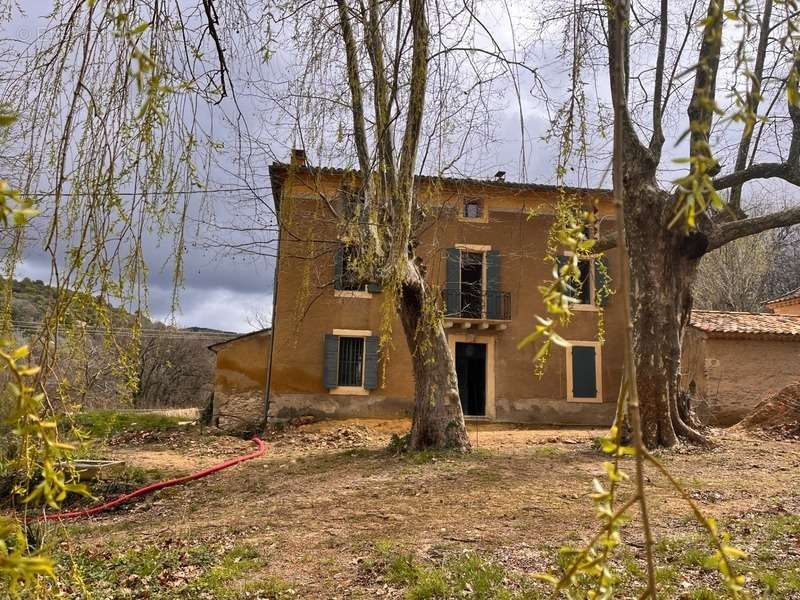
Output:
x=483 y=243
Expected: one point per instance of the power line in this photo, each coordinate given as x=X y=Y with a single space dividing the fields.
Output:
x=155 y=193
x=33 y=327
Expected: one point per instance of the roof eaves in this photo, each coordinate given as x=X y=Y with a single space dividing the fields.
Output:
x=279 y=171
x=213 y=347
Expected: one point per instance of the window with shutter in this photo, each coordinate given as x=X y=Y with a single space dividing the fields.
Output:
x=351 y=362
x=583 y=372
x=494 y=298
x=602 y=281
x=453 y=282
x=585 y=286
x=346 y=281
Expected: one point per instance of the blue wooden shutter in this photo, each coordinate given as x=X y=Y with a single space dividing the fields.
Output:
x=493 y=300
x=374 y=287
x=584 y=374
x=338 y=268
x=601 y=273
x=330 y=369
x=453 y=284
x=371 y=362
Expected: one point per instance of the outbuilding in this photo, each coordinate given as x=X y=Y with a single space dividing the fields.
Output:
x=732 y=360
x=240 y=380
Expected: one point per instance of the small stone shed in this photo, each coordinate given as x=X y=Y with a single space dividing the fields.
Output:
x=732 y=360
x=240 y=380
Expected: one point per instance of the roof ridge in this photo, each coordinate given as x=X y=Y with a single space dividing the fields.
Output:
x=790 y=295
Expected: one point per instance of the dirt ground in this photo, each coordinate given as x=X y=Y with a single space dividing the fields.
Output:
x=324 y=495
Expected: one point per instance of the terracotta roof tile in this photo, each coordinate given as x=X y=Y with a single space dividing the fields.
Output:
x=735 y=324
x=792 y=295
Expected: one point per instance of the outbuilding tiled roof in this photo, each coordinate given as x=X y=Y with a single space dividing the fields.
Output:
x=793 y=295
x=741 y=324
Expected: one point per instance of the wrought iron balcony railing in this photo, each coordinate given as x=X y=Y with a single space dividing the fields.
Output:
x=478 y=305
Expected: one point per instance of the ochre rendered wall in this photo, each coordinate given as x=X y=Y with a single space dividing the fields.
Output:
x=240 y=379
x=731 y=375
x=307 y=308
x=741 y=372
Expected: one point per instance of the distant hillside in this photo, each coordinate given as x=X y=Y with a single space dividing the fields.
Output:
x=210 y=330
x=31 y=299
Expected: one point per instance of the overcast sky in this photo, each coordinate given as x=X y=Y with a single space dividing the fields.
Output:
x=226 y=290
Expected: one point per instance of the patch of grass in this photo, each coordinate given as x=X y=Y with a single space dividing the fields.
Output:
x=547 y=451
x=422 y=457
x=403 y=570
x=100 y=424
x=171 y=571
x=782 y=526
x=462 y=576
x=704 y=593
x=430 y=586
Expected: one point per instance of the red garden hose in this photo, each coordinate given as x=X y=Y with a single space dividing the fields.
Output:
x=154 y=487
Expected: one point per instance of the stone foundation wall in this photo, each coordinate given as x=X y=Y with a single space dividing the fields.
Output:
x=239 y=412
x=533 y=410
x=545 y=411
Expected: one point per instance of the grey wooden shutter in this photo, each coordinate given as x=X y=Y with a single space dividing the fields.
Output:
x=600 y=275
x=371 y=362
x=374 y=287
x=494 y=302
x=584 y=375
x=453 y=284
x=338 y=268
x=562 y=260
x=330 y=369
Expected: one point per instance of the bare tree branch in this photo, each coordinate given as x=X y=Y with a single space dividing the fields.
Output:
x=744 y=227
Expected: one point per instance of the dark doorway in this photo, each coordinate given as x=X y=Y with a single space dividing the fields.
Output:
x=471 y=371
x=472 y=285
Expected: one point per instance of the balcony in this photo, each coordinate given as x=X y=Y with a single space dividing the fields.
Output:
x=466 y=308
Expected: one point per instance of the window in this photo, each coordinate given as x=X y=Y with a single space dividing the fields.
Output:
x=351 y=362
x=584 y=375
x=585 y=287
x=472 y=209
x=472 y=286
x=349 y=278
x=346 y=281
x=587 y=284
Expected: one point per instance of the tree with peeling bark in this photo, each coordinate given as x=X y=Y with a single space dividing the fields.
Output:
x=386 y=176
x=671 y=224
x=413 y=91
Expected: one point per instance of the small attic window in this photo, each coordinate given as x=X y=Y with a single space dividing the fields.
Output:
x=473 y=208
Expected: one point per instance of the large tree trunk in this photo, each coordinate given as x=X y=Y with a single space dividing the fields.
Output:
x=438 y=421
x=663 y=264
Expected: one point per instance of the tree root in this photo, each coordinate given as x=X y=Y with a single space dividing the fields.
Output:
x=686 y=424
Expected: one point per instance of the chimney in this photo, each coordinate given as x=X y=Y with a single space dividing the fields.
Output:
x=298 y=157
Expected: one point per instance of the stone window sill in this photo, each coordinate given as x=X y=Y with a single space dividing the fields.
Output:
x=352 y=294
x=348 y=391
